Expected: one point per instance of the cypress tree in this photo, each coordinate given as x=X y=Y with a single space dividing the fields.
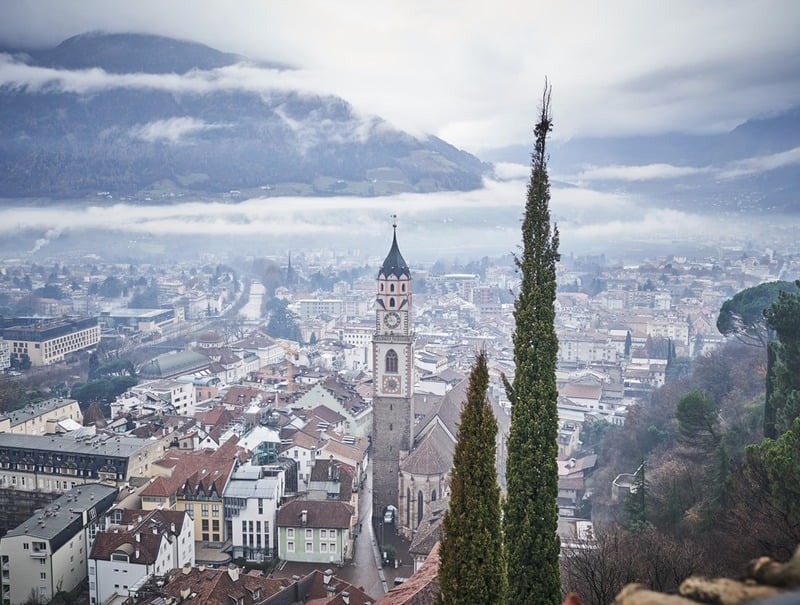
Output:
x=531 y=514
x=471 y=563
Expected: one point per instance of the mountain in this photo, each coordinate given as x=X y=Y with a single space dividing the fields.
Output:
x=145 y=117
x=754 y=167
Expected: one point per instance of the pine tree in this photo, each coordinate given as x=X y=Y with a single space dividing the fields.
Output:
x=471 y=569
x=531 y=513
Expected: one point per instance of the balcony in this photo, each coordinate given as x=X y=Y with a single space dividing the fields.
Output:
x=39 y=553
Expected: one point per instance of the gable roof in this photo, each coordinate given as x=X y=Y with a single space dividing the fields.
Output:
x=432 y=456
x=319 y=513
x=202 y=472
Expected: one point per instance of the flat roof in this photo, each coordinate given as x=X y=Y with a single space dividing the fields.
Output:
x=106 y=445
x=125 y=313
x=37 y=409
x=265 y=487
x=66 y=514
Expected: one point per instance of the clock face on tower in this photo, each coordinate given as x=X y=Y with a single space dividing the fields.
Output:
x=391 y=320
x=391 y=384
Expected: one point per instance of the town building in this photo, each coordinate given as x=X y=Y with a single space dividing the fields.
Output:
x=195 y=482
x=55 y=415
x=251 y=501
x=135 y=545
x=46 y=342
x=315 y=531
x=48 y=553
x=58 y=463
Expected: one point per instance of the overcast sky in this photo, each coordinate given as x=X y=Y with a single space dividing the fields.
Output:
x=472 y=72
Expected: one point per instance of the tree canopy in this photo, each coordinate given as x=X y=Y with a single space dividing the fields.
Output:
x=743 y=315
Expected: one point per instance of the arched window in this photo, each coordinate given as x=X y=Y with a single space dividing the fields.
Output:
x=391 y=302
x=402 y=287
x=391 y=361
x=408 y=507
x=391 y=287
x=433 y=496
x=381 y=286
x=419 y=507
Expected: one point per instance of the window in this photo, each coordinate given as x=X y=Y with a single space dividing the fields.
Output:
x=309 y=547
x=204 y=509
x=204 y=523
x=26 y=546
x=391 y=361
x=309 y=534
x=215 y=510
x=323 y=533
x=261 y=506
x=290 y=532
x=332 y=533
x=323 y=547
x=419 y=507
x=189 y=508
x=290 y=546
x=42 y=575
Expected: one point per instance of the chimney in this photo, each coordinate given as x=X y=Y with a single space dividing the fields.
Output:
x=186 y=569
x=303 y=517
x=185 y=592
x=327 y=575
x=233 y=572
x=330 y=468
x=346 y=597
x=172 y=527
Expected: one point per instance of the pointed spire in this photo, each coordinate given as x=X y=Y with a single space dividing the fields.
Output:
x=394 y=263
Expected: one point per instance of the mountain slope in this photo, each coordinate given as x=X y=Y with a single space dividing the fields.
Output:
x=754 y=167
x=141 y=116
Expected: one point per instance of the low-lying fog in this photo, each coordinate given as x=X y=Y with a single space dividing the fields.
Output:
x=466 y=225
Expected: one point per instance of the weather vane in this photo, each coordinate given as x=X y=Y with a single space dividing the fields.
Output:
x=394 y=221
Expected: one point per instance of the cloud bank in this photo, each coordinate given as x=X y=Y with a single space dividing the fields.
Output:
x=466 y=224
x=474 y=76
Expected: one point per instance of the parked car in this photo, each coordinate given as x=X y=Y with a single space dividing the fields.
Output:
x=388 y=516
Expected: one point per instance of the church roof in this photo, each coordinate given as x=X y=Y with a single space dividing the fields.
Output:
x=394 y=263
x=432 y=456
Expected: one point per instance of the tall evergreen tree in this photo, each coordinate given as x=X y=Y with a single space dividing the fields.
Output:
x=531 y=513
x=783 y=381
x=471 y=571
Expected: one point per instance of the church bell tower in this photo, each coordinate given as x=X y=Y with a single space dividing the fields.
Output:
x=393 y=382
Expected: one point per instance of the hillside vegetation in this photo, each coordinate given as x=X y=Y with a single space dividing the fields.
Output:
x=711 y=492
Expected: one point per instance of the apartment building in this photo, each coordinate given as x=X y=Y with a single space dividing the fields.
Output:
x=251 y=503
x=50 y=341
x=5 y=355
x=315 y=531
x=55 y=415
x=195 y=482
x=136 y=545
x=48 y=552
x=312 y=308
x=58 y=463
